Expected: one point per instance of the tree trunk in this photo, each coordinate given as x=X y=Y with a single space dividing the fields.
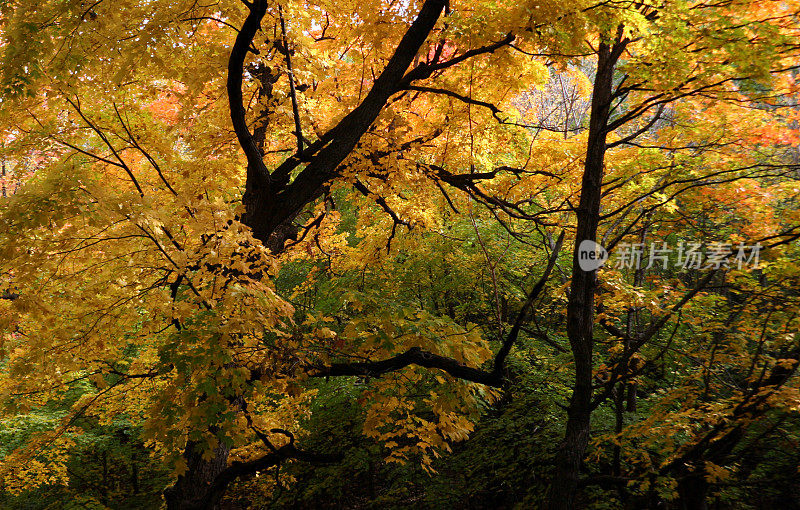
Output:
x=580 y=306
x=272 y=200
x=192 y=490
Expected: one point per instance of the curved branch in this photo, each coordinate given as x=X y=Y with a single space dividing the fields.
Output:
x=417 y=356
x=455 y=95
x=413 y=356
x=244 y=39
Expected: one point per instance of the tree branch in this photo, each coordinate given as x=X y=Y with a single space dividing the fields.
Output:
x=420 y=357
x=326 y=154
x=434 y=90
x=413 y=356
x=244 y=469
x=295 y=109
x=499 y=360
x=241 y=47
x=425 y=70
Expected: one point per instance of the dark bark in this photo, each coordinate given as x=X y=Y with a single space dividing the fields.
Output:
x=271 y=200
x=241 y=47
x=192 y=489
x=580 y=305
x=413 y=356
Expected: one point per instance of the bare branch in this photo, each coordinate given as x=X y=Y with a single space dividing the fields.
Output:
x=292 y=90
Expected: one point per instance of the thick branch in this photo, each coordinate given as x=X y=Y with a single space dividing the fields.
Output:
x=241 y=46
x=413 y=356
x=326 y=154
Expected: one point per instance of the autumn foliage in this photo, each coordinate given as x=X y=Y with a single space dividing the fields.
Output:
x=326 y=254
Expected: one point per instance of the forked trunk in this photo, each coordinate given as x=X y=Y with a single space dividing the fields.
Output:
x=272 y=202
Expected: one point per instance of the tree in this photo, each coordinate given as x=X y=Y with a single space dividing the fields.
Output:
x=144 y=254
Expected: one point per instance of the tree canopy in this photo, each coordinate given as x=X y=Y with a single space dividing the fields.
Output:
x=250 y=248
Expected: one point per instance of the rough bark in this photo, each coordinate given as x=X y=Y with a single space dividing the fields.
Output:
x=191 y=490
